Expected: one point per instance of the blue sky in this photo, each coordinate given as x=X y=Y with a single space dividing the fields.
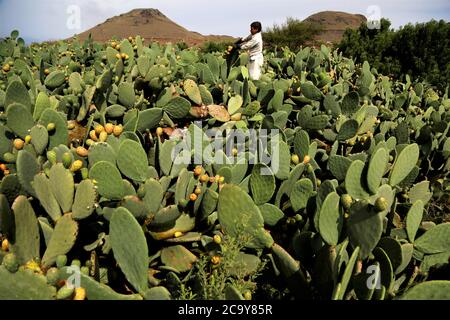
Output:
x=39 y=20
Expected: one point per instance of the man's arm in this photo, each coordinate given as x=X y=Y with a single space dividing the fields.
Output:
x=249 y=44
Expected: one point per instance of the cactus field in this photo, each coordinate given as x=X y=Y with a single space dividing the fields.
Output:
x=95 y=203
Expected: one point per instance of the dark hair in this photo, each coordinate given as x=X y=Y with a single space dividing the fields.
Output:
x=256 y=25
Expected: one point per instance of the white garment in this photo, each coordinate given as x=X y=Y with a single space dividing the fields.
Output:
x=254 y=45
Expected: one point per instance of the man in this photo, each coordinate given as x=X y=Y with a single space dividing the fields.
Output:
x=254 y=45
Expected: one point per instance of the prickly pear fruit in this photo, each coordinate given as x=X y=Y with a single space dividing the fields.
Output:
x=76 y=165
x=117 y=130
x=9 y=157
x=51 y=126
x=103 y=136
x=61 y=260
x=381 y=204
x=215 y=260
x=80 y=294
x=51 y=156
x=52 y=276
x=346 y=201
x=18 y=144
x=183 y=203
x=217 y=239
x=5 y=245
x=67 y=159
x=65 y=293
x=82 y=151
x=84 y=173
x=306 y=159
x=11 y=263
x=109 y=128
x=295 y=159
x=99 y=129
x=247 y=295
x=76 y=262
x=193 y=197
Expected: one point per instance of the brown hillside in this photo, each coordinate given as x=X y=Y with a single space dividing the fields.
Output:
x=151 y=24
x=334 y=24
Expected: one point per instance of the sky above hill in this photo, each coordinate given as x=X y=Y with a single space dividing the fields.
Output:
x=40 y=20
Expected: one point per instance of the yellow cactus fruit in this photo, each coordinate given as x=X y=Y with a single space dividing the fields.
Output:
x=99 y=129
x=198 y=170
x=215 y=260
x=193 y=197
x=18 y=144
x=80 y=294
x=76 y=165
x=82 y=151
x=306 y=159
x=117 y=130
x=109 y=128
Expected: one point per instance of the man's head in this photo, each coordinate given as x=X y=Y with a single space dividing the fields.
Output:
x=255 y=27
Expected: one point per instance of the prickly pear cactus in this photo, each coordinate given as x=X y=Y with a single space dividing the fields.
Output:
x=161 y=172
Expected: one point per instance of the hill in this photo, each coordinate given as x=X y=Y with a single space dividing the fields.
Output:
x=334 y=24
x=151 y=24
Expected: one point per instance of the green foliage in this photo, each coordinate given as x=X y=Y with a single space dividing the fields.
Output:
x=412 y=50
x=293 y=33
x=355 y=174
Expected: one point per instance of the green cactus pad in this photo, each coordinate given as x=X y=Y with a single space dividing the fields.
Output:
x=60 y=135
x=149 y=119
x=302 y=190
x=62 y=186
x=364 y=227
x=350 y=103
x=26 y=240
x=126 y=94
x=430 y=290
x=19 y=119
x=62 y=240
x=330 y=219
x=178 y=257
x=24 y=285
x=102 y=151
x=377 y=168
x=239 y=216
x=39 y=138
x=310 y=91
x=404 y=163
x=178 y=107
x=130 y=248
x=349 y=269
x=108 y=180
x=354 y=180
x=27 y=168
x=413 y=219
x=55 y=79
x=17 y=93
x=271 y=214
x=348 y=130
x=6 y=217
x=132 y=160
x=192 y=91
x=338 y=166
x=262 y=184
x=435 y=240
x=96 y=290
x=157 y=293
x=420 y=191
x=84 y=202
x=45 y=195
x=291 y=271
